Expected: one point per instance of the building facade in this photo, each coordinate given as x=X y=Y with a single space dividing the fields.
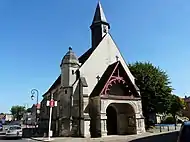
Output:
x=96 y=93
x=31 y=116
x=186 y=111
x=6 y=117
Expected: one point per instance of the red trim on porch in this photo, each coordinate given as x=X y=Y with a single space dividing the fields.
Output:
x=115 y=73
x=107 y=83
x=112 y=81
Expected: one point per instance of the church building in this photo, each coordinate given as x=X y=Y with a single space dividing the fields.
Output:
x=96 y=92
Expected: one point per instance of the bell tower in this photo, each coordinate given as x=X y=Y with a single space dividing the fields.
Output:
x=100 y=27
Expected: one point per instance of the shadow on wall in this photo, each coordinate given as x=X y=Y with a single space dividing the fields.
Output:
x=168 y=137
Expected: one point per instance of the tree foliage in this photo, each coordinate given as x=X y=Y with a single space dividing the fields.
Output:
x=17 y=111
x=183 y=103
x=176 y=105
x=154 y=85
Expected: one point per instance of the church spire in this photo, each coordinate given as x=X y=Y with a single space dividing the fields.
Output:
x=99 y=26
x=99 y=15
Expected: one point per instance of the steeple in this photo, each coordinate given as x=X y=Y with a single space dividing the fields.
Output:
x=99 y=26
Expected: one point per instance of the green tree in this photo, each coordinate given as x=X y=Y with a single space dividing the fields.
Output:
x=18 y=111
x=184 y=105
x=154 y=86
x=176 y=106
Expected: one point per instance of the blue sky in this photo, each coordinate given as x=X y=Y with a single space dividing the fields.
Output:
x=35 y=35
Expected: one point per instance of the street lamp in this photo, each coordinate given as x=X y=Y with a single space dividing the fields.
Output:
x=35 y=92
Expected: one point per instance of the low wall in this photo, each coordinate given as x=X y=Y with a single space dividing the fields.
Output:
x=32 y=132
x=165 y=137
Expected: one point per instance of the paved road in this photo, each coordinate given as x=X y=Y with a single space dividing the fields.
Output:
x=3 y=139
x=17 y=140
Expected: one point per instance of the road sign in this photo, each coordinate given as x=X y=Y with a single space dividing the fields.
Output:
x=38 y=106
x=51 y=103
x=47 y=103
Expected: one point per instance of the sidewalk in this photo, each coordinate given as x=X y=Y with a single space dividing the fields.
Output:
x=164 y=129
x=112 y=138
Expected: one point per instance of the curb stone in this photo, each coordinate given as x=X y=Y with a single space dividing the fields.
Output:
x=103 y=139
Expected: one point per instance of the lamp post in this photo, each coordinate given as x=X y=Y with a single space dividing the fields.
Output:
x=35 y=92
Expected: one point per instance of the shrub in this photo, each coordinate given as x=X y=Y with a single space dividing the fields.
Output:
x=169 y=120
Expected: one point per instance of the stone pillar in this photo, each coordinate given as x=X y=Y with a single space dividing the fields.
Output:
x=87 y=128
x=140 y=125
x=143 y=125
x=95 y=122
x=140 y=119
x=104 y=124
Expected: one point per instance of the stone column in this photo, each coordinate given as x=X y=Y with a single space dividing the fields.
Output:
x=140 y=118
x=104 y=124
x=87 y=128
x=95 y=115
x=140 y=125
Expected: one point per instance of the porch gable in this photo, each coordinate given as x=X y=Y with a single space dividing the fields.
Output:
x=116 y=84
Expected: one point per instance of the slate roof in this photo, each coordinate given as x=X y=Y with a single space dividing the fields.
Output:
x=99 y=15
x=85 y=56
x=55 y=84
x=70 y=58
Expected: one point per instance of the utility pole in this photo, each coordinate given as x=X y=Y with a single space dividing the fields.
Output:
x=52 y=103
x=50 y=117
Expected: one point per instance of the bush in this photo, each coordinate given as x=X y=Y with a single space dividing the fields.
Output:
x=169 y=120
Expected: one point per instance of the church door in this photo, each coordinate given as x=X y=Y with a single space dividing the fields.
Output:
x=111 y=121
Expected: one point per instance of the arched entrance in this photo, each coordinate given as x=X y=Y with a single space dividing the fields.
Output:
x=111 y=120
x=121 y=119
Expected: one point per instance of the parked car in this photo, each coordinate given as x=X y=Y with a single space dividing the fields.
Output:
x=14 y=131
x=184 y=133
x=15 y=123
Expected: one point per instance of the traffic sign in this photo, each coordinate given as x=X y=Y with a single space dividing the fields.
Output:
x=52 y=103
